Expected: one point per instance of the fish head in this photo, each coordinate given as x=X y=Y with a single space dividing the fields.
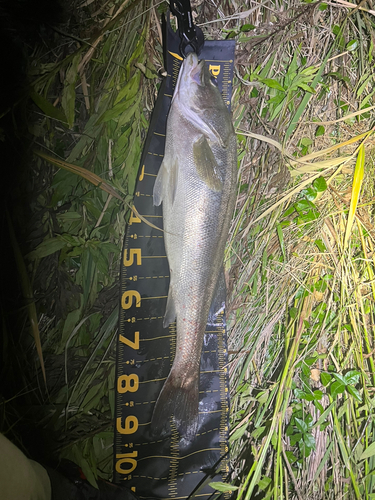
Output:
x=196 y=86
x=200 y=102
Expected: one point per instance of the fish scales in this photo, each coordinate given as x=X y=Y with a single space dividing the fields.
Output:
x=196 y=185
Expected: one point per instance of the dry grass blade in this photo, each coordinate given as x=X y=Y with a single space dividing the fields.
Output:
x=350 y=5
x=331 y=149
x=262 y=138
x=347 y=117
x=83 y=172
x=96 y=181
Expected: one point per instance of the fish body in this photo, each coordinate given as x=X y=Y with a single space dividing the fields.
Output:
x=196 y=185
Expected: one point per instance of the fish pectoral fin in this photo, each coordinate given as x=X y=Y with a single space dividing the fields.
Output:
x=158 y=186
x=170 y=310
x=166 y=182
x=206 y=164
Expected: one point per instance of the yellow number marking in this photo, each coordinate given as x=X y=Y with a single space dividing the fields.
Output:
x=133 y=252
x=130 y=425
x=127 y=299
x=127 y=383
x=130 y=343
x=126 y=458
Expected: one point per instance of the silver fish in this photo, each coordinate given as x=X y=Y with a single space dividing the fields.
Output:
x=197 y=185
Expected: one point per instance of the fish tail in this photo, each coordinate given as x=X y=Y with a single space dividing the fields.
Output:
x=178 y=400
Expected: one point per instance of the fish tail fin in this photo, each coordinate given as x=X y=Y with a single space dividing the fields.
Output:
x=181 y=402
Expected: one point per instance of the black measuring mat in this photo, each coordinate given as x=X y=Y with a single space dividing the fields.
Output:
x=172 y=467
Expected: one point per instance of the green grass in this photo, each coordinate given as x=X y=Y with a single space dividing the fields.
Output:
x=302 y=363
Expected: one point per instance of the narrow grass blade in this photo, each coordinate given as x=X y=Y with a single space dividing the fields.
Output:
x=95 y=180
x=307 y=97
x=262 y=138
x=27 y=293
x=347 y=117
x=331 y=149
x=356 y=189
x=83 y=172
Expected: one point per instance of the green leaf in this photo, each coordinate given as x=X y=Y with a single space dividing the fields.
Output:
x=302 y=205
x=238 y=433
x=223 y=487
x=48 y=108
x=264 y=482
x=295 y=438
x=293 y=312
x=47 y=247
x=310 y=216
x=309 y=441
x=320 y=184
x=86 y=469
x=352 y=45
x=299 y=393
x=258 y=432
x=124 y=110
x=354 y=392
x=318 y=395
x=340 y=378
x=273 y=84
x=92 y=398
x=306 y=87
x=68 y=99
x=320 y=131
x=311 y=360
x=301 y=425
x=310 y=193
x=369 y=452
x=323 y=6
x=247 y=27
x=337 y=388
x=290 y=456
x=68 y=102
x=352 y=377
x=149 y=70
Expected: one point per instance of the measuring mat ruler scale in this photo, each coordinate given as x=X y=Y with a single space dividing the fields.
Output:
x=171 y=466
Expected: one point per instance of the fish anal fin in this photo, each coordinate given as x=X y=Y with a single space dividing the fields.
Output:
x=218 y=302
x=206 y=164
x=173 y=180
x=170 y=310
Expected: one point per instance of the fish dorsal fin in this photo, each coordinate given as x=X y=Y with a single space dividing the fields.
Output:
x=206 y=165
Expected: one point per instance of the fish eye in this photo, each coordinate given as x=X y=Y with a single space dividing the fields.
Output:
x=213 y=81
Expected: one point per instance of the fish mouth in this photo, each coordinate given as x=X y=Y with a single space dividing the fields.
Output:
x=191 y=71
x=196 y=71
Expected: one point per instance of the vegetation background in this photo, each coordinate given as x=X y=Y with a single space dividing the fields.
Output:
x=78 y=88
